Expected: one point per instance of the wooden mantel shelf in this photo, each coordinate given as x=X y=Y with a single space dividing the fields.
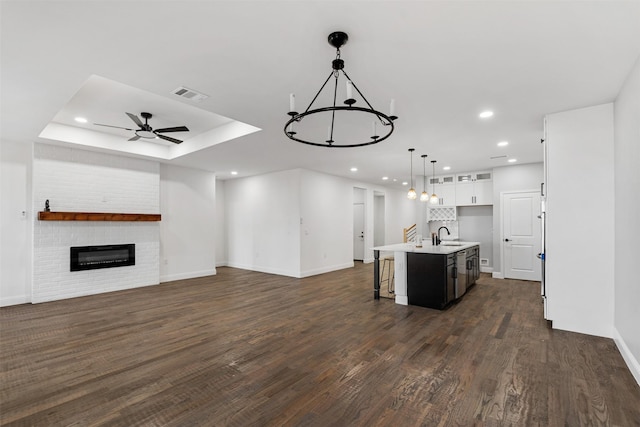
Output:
x=96 y=216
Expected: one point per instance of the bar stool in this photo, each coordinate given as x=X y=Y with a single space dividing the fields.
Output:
x=387 y=264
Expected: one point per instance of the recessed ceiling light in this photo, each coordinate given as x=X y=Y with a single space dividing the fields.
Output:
x=503 y=143
x=405 y=183
x=234 y=172
x=80 y=120
x=446 y=168
x=354 y=169
x=486 y=114
x=512 y=160
x=395 y=180
x=384 y=178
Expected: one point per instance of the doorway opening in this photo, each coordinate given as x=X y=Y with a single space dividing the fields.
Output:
x=358 y=223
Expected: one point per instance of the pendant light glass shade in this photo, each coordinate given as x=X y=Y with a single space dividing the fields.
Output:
x=434 y=198
x=412 y=195
x=424 y=196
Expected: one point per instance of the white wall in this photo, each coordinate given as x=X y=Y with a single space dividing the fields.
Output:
x=580 y=220
x=264 y=232
x=400 y=213
x=263 y=222
x=188 y=226
x=76 y=180
x=475 y=224
x=378 y=219
x=326 y=226
x=15 y=228
x=510 y=178
x=220 y=225
x=627 y=224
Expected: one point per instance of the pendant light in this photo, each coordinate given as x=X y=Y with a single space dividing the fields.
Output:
x=424 y=196
x=412 y=192
x=434 y=198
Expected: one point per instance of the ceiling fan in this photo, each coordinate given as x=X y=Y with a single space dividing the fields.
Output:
x=146 y=131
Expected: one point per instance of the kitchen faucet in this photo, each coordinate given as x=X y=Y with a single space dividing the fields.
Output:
x=438 y=240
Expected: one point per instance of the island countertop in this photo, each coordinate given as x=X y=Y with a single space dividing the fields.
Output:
x=443 y=248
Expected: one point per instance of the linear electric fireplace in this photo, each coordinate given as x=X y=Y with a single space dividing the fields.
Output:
x=105 y=256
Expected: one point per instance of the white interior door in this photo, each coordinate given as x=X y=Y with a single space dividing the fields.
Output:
x=521 y=235
x=358 y=231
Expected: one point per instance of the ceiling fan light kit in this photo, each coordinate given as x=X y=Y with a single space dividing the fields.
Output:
x=145 y=131
x=338 y=39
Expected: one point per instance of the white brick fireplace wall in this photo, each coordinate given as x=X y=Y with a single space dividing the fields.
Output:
x=76 y=180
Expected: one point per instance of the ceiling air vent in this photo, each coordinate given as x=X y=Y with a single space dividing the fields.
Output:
x=190 y=94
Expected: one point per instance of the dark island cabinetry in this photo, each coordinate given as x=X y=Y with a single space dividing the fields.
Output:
x=431 y=279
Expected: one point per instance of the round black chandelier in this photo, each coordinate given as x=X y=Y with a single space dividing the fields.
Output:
x=338 y=39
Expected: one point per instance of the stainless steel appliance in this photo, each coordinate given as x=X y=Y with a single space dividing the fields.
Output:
x=461 y=273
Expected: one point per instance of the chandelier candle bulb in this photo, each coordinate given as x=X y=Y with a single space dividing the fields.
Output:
x=292 y=102
x=392 y=108
x=349 y=89
x=374 y=129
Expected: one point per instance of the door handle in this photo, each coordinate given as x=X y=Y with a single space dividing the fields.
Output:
x=507 y=240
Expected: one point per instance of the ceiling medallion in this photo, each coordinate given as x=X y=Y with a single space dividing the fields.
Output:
x=338 y=39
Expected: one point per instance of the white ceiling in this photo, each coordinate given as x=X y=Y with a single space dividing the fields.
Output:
x=442 y=62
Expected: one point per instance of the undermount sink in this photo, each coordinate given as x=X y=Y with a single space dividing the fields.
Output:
x=451 y=244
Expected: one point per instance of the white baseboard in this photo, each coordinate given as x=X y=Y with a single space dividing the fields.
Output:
x=17 y=300
x=367 y=260
x=631 y=361
x=326 y=269
x=188 y=275
x=90 y=292
x=221 y=264
x=261 y=269
x=497 y=275
x=486 y=269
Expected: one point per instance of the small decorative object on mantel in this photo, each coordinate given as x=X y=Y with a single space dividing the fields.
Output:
x=46 y=206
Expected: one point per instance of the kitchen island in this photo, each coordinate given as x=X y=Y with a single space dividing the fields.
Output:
x=432 y=275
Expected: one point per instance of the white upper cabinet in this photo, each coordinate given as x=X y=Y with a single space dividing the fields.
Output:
x=474 y=188
x=445 y=188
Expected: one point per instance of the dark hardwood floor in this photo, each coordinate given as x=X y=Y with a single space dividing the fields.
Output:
x=251 y=349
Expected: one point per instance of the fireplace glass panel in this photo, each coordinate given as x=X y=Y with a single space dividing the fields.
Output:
x=105 y=256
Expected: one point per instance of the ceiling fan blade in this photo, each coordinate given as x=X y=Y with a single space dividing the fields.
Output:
x=175 y=129
x=109 y=126
x=166 y=138
x=135 y=138
x=135 y=119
